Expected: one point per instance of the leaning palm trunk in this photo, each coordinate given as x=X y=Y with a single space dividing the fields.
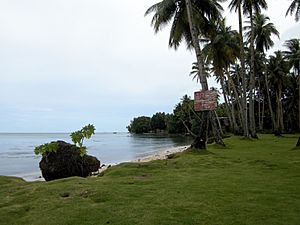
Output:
x=202 y=78
x=252 y=82
x=242 y=58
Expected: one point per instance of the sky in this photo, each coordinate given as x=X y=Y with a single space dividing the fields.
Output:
x=67 y=63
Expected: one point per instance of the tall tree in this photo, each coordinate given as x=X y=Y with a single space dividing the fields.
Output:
x=222 y=50
x=278 y=68
x=250 y=7
x=262 y=32
x=294 y=8
x=190 y=19
x=237 y=6
x=293 y=56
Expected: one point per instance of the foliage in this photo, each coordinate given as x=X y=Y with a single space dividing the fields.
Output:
x=294 y=8
x=158 y=121
x=257 y=180
x=140 y=125
x=79 y=136
x=183 y=120
x=46 y=148
x=174 y=12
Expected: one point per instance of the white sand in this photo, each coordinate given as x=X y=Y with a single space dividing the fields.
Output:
x=162 y=154
x=158 y=155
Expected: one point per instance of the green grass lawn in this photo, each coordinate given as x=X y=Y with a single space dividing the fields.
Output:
x=248 y=182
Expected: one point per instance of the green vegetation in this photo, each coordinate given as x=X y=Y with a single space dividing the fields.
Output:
x=140 y=125
x=79 y=136
x=260 y=92
x=46 y=148
x=248 y=182
x=183 y=120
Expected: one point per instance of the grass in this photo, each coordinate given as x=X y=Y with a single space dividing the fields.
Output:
x=248 y=182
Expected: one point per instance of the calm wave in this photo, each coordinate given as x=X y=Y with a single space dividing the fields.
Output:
x=18 y=159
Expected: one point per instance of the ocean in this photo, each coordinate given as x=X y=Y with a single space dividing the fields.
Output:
x=17 y=156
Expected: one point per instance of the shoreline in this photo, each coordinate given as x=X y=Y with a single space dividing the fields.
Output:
x=159 y=155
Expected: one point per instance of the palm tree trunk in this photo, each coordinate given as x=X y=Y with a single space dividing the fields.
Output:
x=262 y=114
x=280 y=108
x=298 y=100
x=242 y=58
x=277 y=129
x=226 y=103
x=279 y=114
x=202 y=75
x=241 y=114
x=261 y=104
x=269 y=103
x=252 y=82
x=235 y=125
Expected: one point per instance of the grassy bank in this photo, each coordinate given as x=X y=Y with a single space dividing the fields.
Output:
x=248 y=182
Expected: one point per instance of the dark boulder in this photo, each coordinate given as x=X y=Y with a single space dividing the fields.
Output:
x=67 y=162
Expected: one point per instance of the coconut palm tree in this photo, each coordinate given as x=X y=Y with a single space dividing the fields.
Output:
x=221 y=50
x=262 y=32
x=236 y=5
x=190 y=19
x=278 y=68
x=294 y=8
x=293 y=56
x=252 y=7
x=249 y=8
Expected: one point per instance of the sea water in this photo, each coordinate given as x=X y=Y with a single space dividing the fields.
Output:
x=17 y=156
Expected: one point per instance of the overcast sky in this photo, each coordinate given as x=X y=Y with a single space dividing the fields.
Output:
x=66 y=63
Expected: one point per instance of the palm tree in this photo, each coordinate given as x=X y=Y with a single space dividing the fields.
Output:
x=293 y=56
x=262 y=32
x=252 y=7
x=278 y=68
x=249 y=7
x=222 y=50
x=189 y=21
x=237 y=6
x=294 y=7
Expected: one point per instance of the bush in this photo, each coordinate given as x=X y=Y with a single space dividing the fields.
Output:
x=140 y=125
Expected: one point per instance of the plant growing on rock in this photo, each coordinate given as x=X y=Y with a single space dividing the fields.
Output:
x=46 y=148
x=61 y=159
x=78 y=137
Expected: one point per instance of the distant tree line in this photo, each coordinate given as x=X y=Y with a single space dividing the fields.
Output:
x=183 y=120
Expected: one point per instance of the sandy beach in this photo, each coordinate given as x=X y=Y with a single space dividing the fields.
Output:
x=161 y=155
x=158 y=155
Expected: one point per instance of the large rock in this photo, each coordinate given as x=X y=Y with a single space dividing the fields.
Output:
x=67 y=162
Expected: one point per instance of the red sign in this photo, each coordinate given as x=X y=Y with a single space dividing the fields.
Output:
x=205 y=100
